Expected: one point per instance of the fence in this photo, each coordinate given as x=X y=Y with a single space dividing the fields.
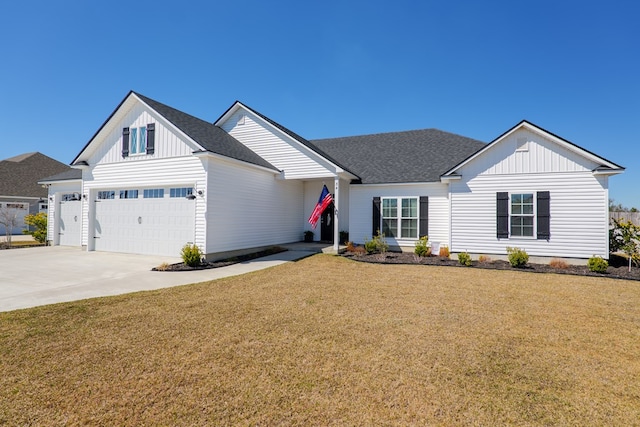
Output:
x=634 y=217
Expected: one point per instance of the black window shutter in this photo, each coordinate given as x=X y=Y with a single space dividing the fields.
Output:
x=151 y=138
x=125 y=142
x=423 y=226
x=376 y=216
x=502 y=215
x=543 y=216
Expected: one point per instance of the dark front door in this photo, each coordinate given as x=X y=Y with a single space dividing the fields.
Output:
x=326 y=224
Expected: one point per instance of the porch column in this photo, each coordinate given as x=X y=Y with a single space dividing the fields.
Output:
x=336 y=211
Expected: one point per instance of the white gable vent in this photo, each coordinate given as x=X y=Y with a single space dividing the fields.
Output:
x=240 y=119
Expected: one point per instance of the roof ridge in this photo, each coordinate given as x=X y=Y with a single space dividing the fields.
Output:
x=146 y=99
x=395 y=133
x=21 y=157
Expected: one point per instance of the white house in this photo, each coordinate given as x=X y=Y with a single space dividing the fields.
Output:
x=153 y=178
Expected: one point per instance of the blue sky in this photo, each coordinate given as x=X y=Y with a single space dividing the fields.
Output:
x=330 y=68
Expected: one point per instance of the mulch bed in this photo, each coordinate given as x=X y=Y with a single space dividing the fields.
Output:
x=618 y=268
x=180 y=266
x=14 y=245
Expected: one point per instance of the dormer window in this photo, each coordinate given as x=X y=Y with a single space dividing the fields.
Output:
x=138 y=140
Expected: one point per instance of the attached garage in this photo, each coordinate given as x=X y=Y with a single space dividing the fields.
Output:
x=151 y=221
x=70 y=223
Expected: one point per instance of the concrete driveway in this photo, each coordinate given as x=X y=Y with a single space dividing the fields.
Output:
x=45 y=275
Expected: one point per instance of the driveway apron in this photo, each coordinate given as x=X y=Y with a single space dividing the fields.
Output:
x=45 y=275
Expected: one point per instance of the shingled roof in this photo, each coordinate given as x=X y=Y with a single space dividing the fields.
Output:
x=211 y=137
x=397 y=157
x=68 y=175
x=19 y=175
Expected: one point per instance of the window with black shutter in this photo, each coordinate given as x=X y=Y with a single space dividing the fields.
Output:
x=502 y=214
x=519 y=214
x=375 y=220
x=424 y=217
x=125 y=142
x=543 y=213
x=151 y=138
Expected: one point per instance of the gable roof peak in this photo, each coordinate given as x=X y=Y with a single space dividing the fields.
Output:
x=605 y=164
x=21 y=157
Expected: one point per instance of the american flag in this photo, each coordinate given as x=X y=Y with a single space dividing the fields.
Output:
x=325 y=200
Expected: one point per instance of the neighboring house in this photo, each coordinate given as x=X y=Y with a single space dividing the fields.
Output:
x=154 y=178
x=20 y=192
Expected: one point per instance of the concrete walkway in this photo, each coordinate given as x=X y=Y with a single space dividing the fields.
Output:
x=31 y=277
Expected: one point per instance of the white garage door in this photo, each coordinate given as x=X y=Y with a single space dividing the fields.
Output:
x=13 y=212
x=152 y=226
x=70 y=223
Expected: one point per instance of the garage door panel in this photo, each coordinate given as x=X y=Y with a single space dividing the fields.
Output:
x=70 y=224
x=147 y=226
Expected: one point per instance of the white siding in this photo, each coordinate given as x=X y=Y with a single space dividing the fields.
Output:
x=145 y=173
x=297 y=161
x=360 y=210
x=56 y=190
x=542 y=156
x=169 y=142
x=578 y=210
x=248 y=207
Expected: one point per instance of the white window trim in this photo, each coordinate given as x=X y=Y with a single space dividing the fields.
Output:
x=133 y=148
x=534 y=215
x=399 y=217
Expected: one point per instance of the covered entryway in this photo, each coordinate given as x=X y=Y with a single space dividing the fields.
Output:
x=327 y=224
x=70 y=223
x=150 y=226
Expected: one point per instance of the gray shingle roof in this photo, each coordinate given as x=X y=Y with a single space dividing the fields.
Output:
x=19 y=175
x=396 y=157
x=212 y=138
x=68 y=175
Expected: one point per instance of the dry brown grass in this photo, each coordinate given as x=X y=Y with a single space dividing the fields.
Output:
x=329 y=341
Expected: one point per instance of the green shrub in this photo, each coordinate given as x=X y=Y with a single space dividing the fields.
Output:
x=377 y=244
x=191 y=255
x=597 y=264
x=464 y=258
x=39 y=222
x=518 y=258
x=422 y=248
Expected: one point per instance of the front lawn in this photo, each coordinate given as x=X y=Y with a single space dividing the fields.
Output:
x=330 y=341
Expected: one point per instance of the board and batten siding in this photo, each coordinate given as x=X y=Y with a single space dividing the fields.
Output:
x=148 y=173
x=360 y=210
x=249 y=207
x=578 y=199
x=169 y=142
x=295 y=160
x=541 y=156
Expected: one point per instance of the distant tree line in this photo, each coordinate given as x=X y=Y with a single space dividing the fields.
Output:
x=617 y=207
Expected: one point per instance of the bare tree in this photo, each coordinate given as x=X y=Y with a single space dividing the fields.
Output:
x=8 y=218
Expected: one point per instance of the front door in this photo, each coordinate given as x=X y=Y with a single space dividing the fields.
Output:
x=326 y=224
